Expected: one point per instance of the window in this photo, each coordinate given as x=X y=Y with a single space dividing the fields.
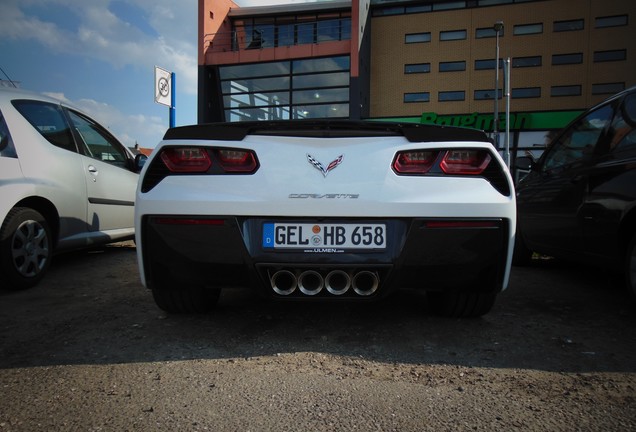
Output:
x=449 y=5
x=526 y=92
x=493 y=2
x=610 y=21
x=486 y=94
x=519 y=62
x=578 y=142
x=306 y=30
x=452 y=35
x=416 y=68
x=571 y=25
x=290 y=89
x=448 y=96
x=488 y=32
x=96 y=142
x=452 y=66
x=565 y=59
x=417 y=97
x=387 y=11
x=607 y=88
x=287 y=30
x=417 y=37
x=568 y=90
x=609 y=56
x=418 y=9
x=527 y=29
x=488 y=64
x=48 y=119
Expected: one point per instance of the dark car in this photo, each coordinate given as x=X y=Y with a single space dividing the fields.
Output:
x=579 y=200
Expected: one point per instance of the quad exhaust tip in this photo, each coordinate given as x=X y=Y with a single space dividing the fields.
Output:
x=337 y=282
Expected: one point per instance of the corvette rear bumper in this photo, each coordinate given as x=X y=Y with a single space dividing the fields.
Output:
x=420 y=253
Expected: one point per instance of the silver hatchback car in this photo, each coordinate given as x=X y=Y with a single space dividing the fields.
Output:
x=65 y=183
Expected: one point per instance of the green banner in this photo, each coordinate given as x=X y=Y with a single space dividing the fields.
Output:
x=518 y=121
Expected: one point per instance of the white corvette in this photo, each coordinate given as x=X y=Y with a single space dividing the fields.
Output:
x=328 y=210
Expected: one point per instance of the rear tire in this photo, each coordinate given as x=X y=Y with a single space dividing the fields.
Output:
x=456 y=304
x=25 y=248
x=192 y=299
x=630 y=268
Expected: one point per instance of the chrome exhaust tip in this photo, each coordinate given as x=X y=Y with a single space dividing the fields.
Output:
x=338 y=282
x=283 y=282
x=365 y=282
x=310 y=282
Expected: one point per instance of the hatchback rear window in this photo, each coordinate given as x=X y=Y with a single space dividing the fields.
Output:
x=48 y=119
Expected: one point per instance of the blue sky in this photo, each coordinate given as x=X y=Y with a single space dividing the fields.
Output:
x=99 y=55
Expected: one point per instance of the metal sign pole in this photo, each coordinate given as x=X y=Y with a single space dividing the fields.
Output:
x=507 y=90
x=173 y=102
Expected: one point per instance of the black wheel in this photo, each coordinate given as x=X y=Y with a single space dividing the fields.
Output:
x=630 y=267
x=25 y=247
x=456 y=304
x=186 y=299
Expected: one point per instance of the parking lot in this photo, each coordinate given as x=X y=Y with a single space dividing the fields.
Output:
x=88 y=350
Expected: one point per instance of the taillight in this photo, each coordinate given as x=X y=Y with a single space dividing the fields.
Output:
x=453 y=162
x=467 y=162
x=186 y=159
x=209 y=160
x=234 y=160
x=414 y=162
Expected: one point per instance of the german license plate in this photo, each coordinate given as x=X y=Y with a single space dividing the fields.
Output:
x=319 y=235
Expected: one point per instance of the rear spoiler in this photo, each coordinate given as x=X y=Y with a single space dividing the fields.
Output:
x=237 y=131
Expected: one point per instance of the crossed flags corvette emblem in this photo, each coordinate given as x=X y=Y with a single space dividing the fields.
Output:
x=320 y=167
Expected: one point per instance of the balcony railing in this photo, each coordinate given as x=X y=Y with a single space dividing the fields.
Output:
x=280 y=35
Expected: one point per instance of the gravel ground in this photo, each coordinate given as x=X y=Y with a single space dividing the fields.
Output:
x=87 y=350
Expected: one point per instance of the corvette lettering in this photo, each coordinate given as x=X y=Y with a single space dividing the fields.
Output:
x=324 y=196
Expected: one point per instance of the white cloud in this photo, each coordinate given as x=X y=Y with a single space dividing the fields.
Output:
x=104 y=36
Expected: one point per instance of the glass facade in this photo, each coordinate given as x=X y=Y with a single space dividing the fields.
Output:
x=286 y=90
x=269 y=32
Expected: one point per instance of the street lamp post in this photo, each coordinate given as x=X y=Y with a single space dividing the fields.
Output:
x=499 y=25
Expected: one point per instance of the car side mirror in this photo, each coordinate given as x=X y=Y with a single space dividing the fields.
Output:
x=524 y=163
x=140 y=161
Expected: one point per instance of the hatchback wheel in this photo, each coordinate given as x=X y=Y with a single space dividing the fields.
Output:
x=25 y=247
x=630 y=267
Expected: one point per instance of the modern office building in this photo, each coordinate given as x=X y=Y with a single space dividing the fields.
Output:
x=285 y=62
x=420 y=60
